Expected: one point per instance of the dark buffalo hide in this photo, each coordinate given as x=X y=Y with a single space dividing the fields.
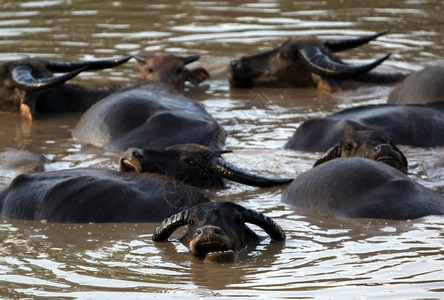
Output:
x=412 y=125
x=424 y=86
x=95 y=195
x=362 y=188
x=148 y=116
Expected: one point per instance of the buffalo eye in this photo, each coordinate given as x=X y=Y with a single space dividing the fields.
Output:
x=348 y=147
x=179 y=71
x=191 y=222
x=150 y=70
x=284 y=55
x=190 y=161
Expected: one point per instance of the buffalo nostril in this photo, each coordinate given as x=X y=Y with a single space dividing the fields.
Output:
x=385 y=148
x=377 y=148
x=208 y=230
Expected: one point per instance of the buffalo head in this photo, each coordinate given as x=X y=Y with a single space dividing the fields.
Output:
x=170 y=69
x=367 y=144
x=21 y=161
x=193 y=164
x=217 y=230
x=304 y=61
x=24 y=82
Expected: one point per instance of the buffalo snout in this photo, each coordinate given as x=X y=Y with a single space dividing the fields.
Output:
x=390 y=155
x=208 y=230
x=210 y=243
x=383 y=149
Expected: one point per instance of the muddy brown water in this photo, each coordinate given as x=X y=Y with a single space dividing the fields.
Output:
x=323 y=257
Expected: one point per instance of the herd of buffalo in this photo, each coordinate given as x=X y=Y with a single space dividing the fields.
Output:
x=171 y=146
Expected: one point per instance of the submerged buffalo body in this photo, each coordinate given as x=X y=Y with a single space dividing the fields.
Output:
x=192 y=164
x=306 y=61
x=412 y=125
x=148 y=116
x=95 y=195
x=216 y=231
x=29 y=86
x=362 y=188
x=424 y=86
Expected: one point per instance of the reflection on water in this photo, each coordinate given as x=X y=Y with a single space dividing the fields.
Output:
x=323 y=257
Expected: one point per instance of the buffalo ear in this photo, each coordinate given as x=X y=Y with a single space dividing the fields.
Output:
x=140 y=58
x=196 y=75
x=140 y=62
x=332 y=153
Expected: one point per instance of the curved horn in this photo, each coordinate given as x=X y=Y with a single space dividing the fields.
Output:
x=332 y=153
x=167 y=227
x=346 y=44
x=190 y=59
x=224 y=169
x=22 y=77
x=266 y=223
x=61 y=67
x=321 y=64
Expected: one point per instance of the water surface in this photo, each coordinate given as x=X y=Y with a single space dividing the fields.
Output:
x=323 y=257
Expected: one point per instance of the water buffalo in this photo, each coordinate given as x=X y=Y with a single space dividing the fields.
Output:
x=95 y=195
x=362 y=188
x=424 y=86
x=412 y=125
x=170 y=69
x=28 y=86
x=367 y=144
x=148 y=116
x=307 y=61
x=192 y=164
x=216 y=230
x=21 y=161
